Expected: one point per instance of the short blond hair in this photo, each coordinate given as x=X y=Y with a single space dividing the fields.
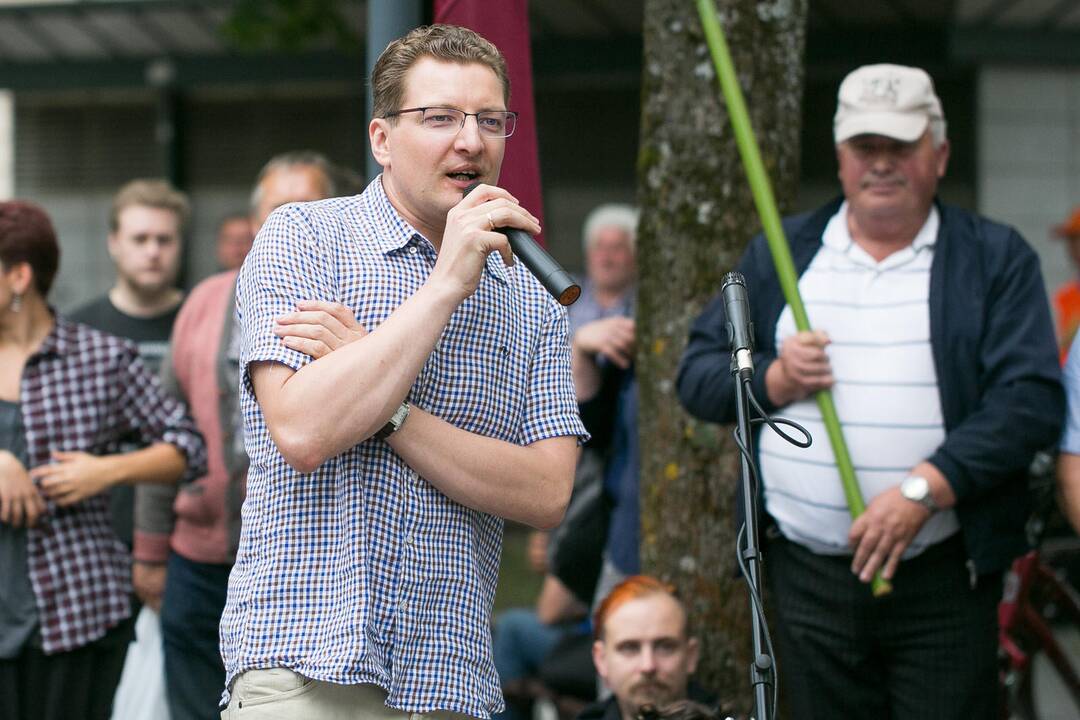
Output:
x=155 y=193
x=449 y=43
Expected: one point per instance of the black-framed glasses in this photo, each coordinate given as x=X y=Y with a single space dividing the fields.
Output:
x=491 y=123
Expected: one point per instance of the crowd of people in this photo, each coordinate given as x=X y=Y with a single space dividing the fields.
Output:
x=303 y=466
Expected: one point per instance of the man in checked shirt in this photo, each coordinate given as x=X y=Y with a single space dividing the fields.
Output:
x=381 y=472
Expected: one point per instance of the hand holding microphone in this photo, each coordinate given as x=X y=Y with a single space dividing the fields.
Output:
x=550 y=274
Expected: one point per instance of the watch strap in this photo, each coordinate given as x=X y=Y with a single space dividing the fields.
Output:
x=395 y=422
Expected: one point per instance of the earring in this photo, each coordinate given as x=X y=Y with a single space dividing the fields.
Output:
x=16 y=302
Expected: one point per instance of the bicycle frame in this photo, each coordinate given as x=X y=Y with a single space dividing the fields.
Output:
x=1031 y=589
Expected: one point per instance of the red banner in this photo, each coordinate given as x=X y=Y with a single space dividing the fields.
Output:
x=506 y=24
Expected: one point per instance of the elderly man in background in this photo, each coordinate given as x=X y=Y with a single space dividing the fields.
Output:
x=934 y=335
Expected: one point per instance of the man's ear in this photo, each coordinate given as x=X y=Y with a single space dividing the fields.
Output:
x=598 y=659
x=693 y=652
x=942 y=153
x=111 y=243
x=379 y=139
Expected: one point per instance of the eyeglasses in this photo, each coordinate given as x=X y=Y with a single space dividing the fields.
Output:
x=449 y=121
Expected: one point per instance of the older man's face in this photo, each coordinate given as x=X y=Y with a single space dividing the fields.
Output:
x=610 y=259
x=296 y=183
x=885 y=179
x=645 y=656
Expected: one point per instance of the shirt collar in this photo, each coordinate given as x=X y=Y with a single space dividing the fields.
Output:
x=837 y=235
x=60 y=340
x=401 y=234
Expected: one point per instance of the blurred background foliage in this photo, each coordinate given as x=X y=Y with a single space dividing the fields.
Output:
x=289 y=26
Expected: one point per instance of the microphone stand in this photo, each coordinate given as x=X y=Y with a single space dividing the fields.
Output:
x=763 y=667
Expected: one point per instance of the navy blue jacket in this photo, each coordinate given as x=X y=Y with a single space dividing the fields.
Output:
x=994 y=352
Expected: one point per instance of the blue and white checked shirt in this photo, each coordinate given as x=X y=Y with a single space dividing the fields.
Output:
x=362 y=572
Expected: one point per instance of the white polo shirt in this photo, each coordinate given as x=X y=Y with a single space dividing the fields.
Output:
x=877 y=316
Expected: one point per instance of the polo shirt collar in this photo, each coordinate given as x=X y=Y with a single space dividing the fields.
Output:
x=837 y=236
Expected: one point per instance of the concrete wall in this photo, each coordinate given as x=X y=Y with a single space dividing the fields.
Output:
x=7 y=144
x=1029 y=155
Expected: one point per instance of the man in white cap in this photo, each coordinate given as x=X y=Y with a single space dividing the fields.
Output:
x=932 y=330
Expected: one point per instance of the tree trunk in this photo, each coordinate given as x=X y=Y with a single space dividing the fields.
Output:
x=697 y=216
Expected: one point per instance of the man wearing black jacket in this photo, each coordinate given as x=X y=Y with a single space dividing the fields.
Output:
x=934 y=335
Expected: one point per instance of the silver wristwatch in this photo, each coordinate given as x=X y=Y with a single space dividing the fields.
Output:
x=395 y=422
x=917 y=489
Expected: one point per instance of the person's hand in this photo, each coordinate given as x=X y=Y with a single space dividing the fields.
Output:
x=318 y=328
x=21 y=503
x=612 y=337
x=801 y=369
x=469 y=237
x=74 y=476
x=883 y=532
x=148 y=580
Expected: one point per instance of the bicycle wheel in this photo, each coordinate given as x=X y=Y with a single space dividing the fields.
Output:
x=1042 y=694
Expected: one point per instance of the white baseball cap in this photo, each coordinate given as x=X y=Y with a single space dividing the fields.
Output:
x=891 y=100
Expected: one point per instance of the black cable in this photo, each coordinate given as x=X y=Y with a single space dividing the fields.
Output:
x=775 y=423
x=759 y=610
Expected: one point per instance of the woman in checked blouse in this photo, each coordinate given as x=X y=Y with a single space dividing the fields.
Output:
x=67 y=395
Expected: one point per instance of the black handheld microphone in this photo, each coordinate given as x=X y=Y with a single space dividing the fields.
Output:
x=740 y=329
x=550 y=274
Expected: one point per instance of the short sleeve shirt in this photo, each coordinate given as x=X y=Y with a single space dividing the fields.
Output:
x=362 y=572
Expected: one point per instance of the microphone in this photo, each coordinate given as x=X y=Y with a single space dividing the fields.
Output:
x=740 y=329
x=544 y=267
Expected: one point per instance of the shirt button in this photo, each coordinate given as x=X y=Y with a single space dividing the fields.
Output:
x=412 y=250
x=409 y=540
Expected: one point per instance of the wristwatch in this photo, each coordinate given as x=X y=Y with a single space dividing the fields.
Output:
x=917 y=489
x=395 y=422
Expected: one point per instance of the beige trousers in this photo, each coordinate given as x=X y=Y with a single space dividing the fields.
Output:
x=281 y=694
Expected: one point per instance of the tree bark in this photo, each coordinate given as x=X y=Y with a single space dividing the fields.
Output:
x=697 y=217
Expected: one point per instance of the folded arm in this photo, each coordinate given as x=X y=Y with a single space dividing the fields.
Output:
x=529 y=484
x=344 y=397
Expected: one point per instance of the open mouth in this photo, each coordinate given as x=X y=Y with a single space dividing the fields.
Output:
x=466 y=176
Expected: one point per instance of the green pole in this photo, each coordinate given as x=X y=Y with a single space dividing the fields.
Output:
x=778 y=247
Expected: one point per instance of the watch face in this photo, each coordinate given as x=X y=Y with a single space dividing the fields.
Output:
x=915 y=488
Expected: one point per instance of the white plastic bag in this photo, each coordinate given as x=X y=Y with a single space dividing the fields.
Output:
x=141 y=694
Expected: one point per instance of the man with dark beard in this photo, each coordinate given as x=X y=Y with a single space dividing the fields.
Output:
x=643 y=652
